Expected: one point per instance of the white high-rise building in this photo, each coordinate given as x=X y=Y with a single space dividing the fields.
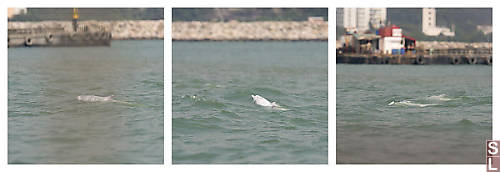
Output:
x=346 y=17
x=429 y=24
x=361 y=18
x=378 y=16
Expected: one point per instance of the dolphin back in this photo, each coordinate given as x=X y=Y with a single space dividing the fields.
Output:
x=264 y=102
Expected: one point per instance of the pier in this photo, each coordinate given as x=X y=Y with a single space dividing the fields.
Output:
x=119 y=29
x=390 y=46
x=80 y=35
x=44 y=37
x=450 y=56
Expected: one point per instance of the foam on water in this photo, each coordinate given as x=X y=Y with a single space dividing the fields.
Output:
x=441 y=97
x=409 y=103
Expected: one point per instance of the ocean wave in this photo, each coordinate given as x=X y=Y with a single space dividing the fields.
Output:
x=153 y=83
x=199 y=124
x=229 y=114
x=268 y=91
x=432 y=100
x=466 y=122
x=409 y=103
x=192 y=97
x=199 y=101
x=460 y=125
x=441 y=97
x=209 y=85
x=271 y=141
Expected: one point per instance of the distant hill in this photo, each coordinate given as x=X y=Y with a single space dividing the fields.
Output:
x=40 y=14
x=247 y=14
x=445 y=16
x=464 y=19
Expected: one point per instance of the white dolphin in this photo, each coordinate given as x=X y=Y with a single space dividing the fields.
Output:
x=264 y=102
x=94 y=98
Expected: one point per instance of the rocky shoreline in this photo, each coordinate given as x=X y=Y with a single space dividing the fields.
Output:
x=250 y=31
x=198 y=31
x=120 y=30
x=442 y=45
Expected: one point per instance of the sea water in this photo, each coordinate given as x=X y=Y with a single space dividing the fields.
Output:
x=215 y=119
x=47 y=124
x=413 y=114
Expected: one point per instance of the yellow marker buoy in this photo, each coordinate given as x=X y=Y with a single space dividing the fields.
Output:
x=75 y=13
x=75 y=19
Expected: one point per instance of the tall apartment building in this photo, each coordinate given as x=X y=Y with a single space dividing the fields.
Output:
x=361 y=18
x=429 y=27
x=378 y=17
x=346 y=17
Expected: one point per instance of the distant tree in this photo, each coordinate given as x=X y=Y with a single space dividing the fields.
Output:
x=465 y=21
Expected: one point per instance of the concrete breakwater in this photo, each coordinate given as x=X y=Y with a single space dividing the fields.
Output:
x=442 y=45
x=250 y=31
x=127 y=29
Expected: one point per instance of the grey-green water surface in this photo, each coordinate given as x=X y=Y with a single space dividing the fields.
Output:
x=413 y=114
x=215 y=120
x=47 y=124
